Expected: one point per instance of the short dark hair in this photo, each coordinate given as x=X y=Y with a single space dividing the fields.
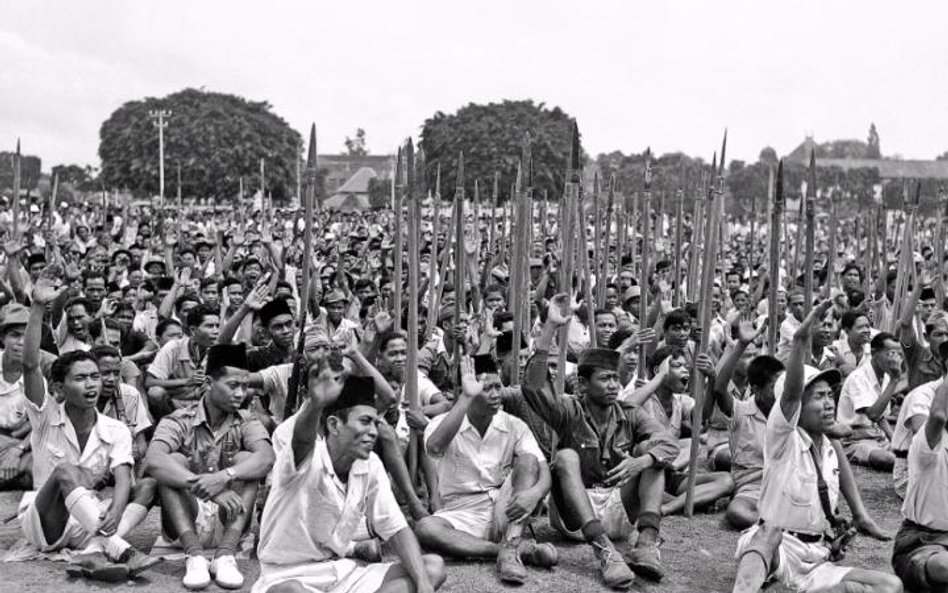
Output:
x=78 y=301
x=230 y=280
x=762 y=370
x=666 y=351
x=849 y=319
x=62 y=365
x=676 y=317
x=878 y=342
x=196 y=315
x=181 y=300
x=390 y=335
x=164 y=324
x=852 y=266
x=105 y=351
x=620 y=335
x=92 y=275
x=205 y=282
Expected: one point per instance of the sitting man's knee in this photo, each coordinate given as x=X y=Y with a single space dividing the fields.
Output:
x=70 y=476
x=288 y=587
x=434 y=567
x=157 y=394
x=740 y=514
x=427 y=528
x=765 y=543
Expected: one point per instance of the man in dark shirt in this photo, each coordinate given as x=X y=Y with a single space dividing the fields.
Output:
x=608 y=466
x=922 y=361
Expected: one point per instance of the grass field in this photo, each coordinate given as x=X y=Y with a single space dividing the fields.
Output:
x=697 y=555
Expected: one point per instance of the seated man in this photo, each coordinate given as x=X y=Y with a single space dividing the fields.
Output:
x=913 y=413
x=864 y=404
x=326 y=484
x=491 y=477
x=209 y=459
x=608 y=469
x=667 y=401
x=801 y=487
x=16 y=461
x=920 y=555
x=76 y=450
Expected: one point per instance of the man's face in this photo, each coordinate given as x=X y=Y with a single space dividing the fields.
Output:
x=851 y=279
x=826 y=332
x=395 y=354
x=602 y=386
x=110 y=371
x=740 y=301
x=94 y=290
x=204 y=252
x=889 y=358
x=77 y=320
x=227 y=393
x=316 y=349
x=335 y=311
x=13 y=341
x=356 y=432
x=490 y=400
x=35 y=269
x=625 y=281
x=612 y=298
x=172 y=332
x=733 y=282
x=236 y=294
x=281 y=330
x=187 y=259
x=135 y=278
x=605 y=327
x=126 y=317
x=678 y=375
x=781 y=305
x=795 y=305
x=818 y=411
x=860 y=333
x=678 y=334
x=210 y=294
x=111 y=337
x=82 y=384
x=494 y=301
x=206 y=333
x=925 y=308
x=367 y=294
x=937 y=335
x=252 y=273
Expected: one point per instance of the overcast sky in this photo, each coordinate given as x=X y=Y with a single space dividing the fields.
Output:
x=667 y=74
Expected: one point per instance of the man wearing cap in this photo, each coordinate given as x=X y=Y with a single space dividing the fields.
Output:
x=491 y=477
x=208 y=459
x=607 y=471
x=332 y=318
x=801 y=487
x=329 y=491
x=279 y=328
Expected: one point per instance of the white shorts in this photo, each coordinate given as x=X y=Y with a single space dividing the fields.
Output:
x=331 y=576
x=900 y=476
x=74 y=536
x=481 y=515
x=607 y=507
x=801 y=566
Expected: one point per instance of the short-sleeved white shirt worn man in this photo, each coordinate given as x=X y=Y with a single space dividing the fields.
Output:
x=927 y=495
x=311 y=517
x=174 y=361
x=860 y=390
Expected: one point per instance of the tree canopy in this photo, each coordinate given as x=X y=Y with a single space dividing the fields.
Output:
x=491 y=137
x=216 y=138
x=30 y=167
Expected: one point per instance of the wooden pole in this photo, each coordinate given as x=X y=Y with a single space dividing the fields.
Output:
x=434 y=276
x=459 y=265
x=646 y=216
x=679 y=215
x=941 y=209
x=582 y=255
x=906 y=260
x=289 y=407
x=716 y=196
x=603 y=275
x=411 y=362
x=831 y=256
x=15 y=207
x=597 y=238
x=397 y=259
x=514 y=292
x=567 y=213
x=809 y=204
x=776 y=216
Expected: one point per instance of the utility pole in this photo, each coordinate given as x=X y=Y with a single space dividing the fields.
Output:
x=160 y=117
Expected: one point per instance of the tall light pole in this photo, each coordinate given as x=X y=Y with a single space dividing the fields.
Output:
x=160 y=117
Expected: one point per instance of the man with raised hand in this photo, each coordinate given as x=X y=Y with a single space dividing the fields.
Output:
x=209 y=460
x=491 y=477
x=75 y=451
x=796 y=538
x=608 y=469
x=327 y=485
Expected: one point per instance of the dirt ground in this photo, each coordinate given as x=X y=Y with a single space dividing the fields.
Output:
x=697 y=555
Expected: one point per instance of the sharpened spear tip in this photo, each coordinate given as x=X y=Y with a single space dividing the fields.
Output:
x=574 y=148
x=311 y=155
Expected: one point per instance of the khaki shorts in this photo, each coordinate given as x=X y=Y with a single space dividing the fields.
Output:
x=74 y=536
x=801 y=566
x=749 y=491
x=607 y=507
x=330 y=576
x=481 y=515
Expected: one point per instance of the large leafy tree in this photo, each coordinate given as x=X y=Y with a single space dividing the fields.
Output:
x=29 y=171
x=491 y=137
x=215 y=138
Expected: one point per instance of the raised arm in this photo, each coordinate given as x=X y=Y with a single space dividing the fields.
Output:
x=536 y=387
x=935 y=425
x=384 y=394
x=793 y=382
x=324 y=391
x=745 y=335
x=45 y=291
x=254 y=302
x=437 y=443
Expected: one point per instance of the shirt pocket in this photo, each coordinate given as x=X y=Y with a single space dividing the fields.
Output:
x=800 y=487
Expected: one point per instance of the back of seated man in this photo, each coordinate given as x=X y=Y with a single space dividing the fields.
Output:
x=912 y=416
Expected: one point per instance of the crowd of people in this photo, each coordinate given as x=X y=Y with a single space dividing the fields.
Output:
x=154 y=358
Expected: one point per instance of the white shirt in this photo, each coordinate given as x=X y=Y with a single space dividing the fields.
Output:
x=927 y=495
x=311 y=515
x=788 y=327
x=682 y=406
x=472 y=464
x=918 y=402
x=12 y=402
x=54 y=443
x=137 y=418
x=789 y=498
x=861 y=389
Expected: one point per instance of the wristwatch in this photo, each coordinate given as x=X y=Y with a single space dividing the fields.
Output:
x=231 y=474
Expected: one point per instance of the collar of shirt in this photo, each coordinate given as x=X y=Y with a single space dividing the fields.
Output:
x=63 y=421
x=499 y=423
x=359 y=467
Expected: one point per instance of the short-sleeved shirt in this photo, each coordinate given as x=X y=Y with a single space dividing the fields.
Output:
x=918 y=402
x=789 y=498
x=682 y=406
x=54 y=443
x=845 y=355
x=174 y=361
x=267 y=356
x=187 y=431
x=860 y=390
x=311 y=514
x=922 y=365
x=926 y=497
x=746 y=442
x=12 y=402
x=276 y=380
x=472 y=464
x=134 y=412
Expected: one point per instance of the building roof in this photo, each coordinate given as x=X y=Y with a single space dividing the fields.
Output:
x=891 y=169
x=359 y=182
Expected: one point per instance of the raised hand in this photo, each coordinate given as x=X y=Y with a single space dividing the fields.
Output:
x=257 y=297
x=470 y=386
x=747 y=333
x=557 y=310
x=47 y=288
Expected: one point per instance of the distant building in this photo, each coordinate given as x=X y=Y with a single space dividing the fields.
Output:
x=341 y=167
x=887 y=168
x=353 y=195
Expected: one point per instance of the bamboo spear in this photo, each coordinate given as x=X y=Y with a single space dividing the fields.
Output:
x=775 y=218
x=517 y=268
x=810 y=214
x=604 y=262
x=397 y=259
x=643 y=272
x=698 y=385
x=906 y=263
x=679 y=214
x=459 y=267
x=582 y=254
x=940 y=208
x=411 y=362
x=567 y=213
x=597 y=238
x=15 y=207
x=434 y=276
x=289 y=407
x=491 y=233
x=831 y=256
